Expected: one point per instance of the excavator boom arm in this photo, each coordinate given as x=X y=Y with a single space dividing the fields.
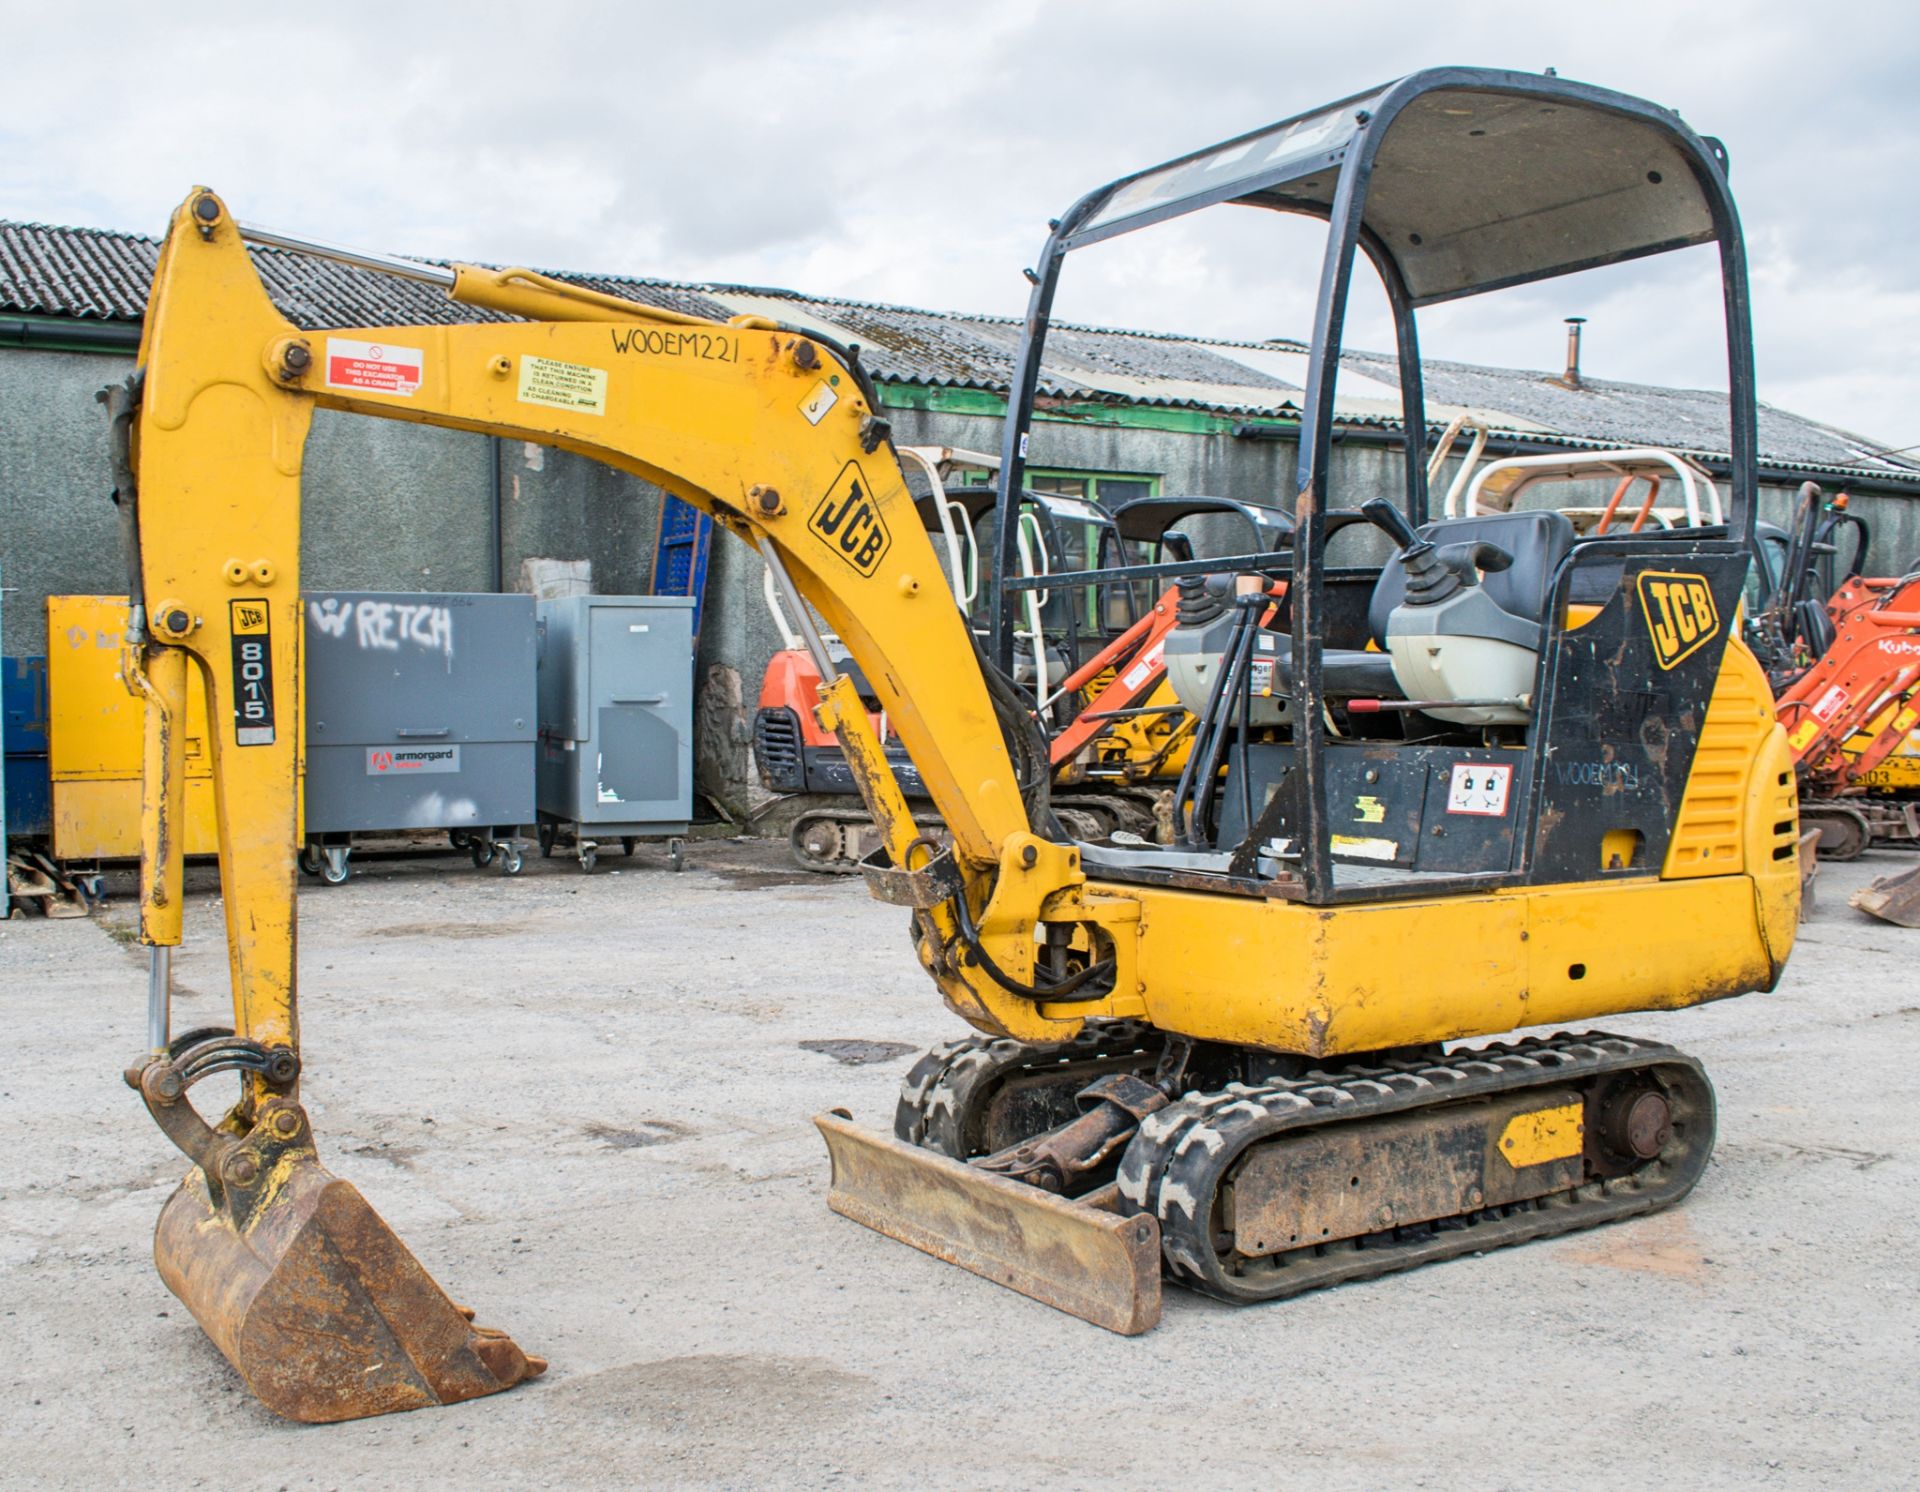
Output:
x=765 y=429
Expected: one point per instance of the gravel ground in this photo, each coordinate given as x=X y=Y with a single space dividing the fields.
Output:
x=583 y=1101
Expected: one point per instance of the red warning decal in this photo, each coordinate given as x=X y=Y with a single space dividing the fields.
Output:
x=375 y=367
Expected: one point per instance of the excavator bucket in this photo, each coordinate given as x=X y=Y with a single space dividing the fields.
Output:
x=1894 y=898
x=315 y=1301
x=1072 y=1255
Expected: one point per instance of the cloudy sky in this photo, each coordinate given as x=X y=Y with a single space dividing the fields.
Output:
x=912 y=153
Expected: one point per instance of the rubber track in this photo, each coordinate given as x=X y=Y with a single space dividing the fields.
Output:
x=1175 y=1166
x=956 y=1080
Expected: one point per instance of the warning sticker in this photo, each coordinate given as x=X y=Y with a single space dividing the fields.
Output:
x=1829 y=703
x=1134 y=677
x=375 y=367
x=1479 y=789
x=558 y=385
x=817 y=403
x=1368 y=809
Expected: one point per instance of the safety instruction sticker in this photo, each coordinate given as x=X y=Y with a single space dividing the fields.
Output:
x=818 y=402
x=374 y=367
x=1363 y=848
x=1478 y=788
x=1134 y=677
x=558 y=385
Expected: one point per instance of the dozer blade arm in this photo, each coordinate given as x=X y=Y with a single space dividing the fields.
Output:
x=1075 y=1256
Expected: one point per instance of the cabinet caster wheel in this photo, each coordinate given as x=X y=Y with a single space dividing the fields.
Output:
x=677 y=853
x=482 y=852
x=510 y=862
x=627 y=842
x=334 y=869
x=546 y=835
x=589 y=854
x=310 y=859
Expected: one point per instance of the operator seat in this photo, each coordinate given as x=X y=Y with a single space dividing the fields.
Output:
x=1461 y=609
x=1537 y=541
x=1515 y=620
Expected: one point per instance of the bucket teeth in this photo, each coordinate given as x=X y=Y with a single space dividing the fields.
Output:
x=1894 y=898
x=318 y=1304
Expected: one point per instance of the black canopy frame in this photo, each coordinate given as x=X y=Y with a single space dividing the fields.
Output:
x=1453 y=182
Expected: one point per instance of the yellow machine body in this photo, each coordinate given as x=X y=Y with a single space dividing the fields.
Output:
x=773 y=436
x=1899 y=771
x=94 y=739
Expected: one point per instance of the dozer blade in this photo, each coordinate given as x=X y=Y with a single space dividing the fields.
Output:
x=1075 y=1257
x=1894 y=898
x=315 y=1301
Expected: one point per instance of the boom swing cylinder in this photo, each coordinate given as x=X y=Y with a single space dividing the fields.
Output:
x=1122 y=994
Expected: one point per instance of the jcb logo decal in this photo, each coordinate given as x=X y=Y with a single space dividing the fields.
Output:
x=848 y=520
x=252 y=672
x=1681 y=616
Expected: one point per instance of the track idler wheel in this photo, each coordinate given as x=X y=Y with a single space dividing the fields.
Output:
x=299 y=1282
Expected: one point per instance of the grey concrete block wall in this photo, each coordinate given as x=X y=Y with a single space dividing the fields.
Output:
x=59 y=532
x=394 y=507
x=388 y=506
x=556 y=505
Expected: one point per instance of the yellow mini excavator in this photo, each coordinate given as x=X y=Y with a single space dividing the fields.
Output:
x=1508 y=777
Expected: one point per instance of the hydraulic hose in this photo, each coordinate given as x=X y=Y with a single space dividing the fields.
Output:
x=1040 y=991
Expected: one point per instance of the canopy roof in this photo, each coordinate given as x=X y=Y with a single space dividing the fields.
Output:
x=1478 y=178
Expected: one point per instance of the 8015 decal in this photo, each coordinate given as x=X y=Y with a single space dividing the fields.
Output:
x=252 y=628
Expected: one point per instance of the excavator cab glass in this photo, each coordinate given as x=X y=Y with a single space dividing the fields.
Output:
x=1440 y=684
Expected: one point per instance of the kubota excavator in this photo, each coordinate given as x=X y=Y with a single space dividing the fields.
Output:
x=1509 y=778
x=799 y=759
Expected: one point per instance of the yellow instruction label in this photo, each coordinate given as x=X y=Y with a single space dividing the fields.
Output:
x=558 y=385
x=1363 y=848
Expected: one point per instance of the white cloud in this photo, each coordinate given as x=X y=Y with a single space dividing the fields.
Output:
x=914 y=153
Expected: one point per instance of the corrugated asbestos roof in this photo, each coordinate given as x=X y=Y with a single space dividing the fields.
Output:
x=102 y=275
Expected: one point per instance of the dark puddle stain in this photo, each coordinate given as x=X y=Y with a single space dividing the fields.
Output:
x=859 y=1053
x=646 y=1132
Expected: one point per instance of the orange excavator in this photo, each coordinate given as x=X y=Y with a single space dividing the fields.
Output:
x=1846 y=672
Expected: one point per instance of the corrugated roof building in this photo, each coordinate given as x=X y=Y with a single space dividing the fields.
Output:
x=404 y=507
x=95 y=275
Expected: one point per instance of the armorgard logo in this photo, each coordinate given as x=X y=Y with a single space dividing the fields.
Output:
x=405 y=761
x=1681 y=616
x=848 y=520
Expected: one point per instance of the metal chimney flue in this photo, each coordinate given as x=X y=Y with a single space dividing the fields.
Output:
x=1572 y=377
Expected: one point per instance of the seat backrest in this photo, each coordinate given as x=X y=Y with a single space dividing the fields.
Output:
x=1538 y=541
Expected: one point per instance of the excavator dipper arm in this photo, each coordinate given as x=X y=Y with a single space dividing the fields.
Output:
x=308 y=1293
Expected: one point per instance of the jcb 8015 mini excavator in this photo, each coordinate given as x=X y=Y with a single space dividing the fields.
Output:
x=1508 y=779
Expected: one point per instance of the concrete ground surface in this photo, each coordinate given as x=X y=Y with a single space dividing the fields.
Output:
x=583 y=1101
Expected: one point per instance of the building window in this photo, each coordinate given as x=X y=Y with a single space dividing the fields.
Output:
x=1082 y=613
x=1107 y=488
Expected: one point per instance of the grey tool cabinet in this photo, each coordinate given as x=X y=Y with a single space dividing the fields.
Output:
x=615 y=759
x=420 y=715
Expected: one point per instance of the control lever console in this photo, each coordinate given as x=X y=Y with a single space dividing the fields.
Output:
x=1449 y=640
